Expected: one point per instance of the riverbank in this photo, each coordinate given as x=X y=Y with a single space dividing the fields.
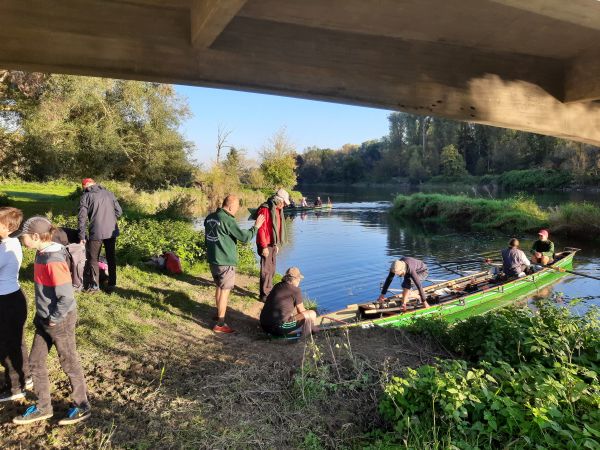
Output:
x=517 y=214
x=160 y=378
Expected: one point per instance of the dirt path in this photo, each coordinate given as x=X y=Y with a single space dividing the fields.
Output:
x=187 y=387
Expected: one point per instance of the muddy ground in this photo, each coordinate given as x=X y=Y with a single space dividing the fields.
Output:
x=183 y=386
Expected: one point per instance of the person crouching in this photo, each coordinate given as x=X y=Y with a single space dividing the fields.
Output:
x=284 y=310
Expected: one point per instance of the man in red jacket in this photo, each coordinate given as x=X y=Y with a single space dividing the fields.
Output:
x=269 y=237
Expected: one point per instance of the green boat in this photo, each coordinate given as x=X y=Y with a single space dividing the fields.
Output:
x=453 y=299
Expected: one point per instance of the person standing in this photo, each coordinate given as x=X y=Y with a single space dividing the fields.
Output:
x=413 y=271
x=284 y=310
x=13 y=309
x=222 y=233
x=543 y=249
x=55 y=320
x=269 y=237
x=100 y=207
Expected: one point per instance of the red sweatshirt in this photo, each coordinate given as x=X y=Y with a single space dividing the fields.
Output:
x=265 y=237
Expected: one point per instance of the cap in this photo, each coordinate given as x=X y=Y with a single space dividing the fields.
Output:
x=282 y=194
x=35 y=224
x=398 y=267
x=294 y=272
x=543 y=233
x=86 y=181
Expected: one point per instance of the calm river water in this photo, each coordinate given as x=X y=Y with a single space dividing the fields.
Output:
x=345 y=253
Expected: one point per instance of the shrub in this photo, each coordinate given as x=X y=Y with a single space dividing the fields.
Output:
x=532 y=382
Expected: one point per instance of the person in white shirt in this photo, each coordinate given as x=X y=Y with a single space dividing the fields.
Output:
x=13 y=309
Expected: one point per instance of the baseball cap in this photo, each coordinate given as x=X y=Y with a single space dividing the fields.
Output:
x=543 y=233
x=283 y=194
x=398 y=267
x=35 y=224
x=86 y=181
x=294 y=272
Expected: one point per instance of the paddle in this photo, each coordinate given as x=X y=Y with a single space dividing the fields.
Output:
x=560 y=269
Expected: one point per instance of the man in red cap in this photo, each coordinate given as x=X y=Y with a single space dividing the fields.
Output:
x=543 y=249
x=100 y=207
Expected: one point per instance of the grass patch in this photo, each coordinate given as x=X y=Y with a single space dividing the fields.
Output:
x=517 y=214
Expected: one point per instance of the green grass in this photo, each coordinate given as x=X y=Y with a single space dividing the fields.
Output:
x=517 y=214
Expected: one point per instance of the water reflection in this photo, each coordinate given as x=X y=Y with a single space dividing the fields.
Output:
x=345 y=253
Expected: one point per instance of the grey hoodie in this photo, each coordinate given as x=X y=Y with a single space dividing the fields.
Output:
x=101 y=208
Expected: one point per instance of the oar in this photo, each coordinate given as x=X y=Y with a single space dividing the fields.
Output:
x=560 y=269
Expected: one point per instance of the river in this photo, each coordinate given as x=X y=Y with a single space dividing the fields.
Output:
x=345 y=253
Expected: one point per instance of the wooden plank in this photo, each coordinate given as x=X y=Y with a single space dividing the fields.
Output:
x=209 y=18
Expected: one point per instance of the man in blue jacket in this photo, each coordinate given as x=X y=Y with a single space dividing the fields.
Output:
x=100 y=207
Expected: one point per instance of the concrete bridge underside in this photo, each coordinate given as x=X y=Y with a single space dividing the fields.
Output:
x=532 y=65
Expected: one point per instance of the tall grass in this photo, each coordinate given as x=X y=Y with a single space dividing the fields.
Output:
x=517 y=214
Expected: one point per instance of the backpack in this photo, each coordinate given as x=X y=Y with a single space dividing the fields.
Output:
x=75 y=254
x=172 y=262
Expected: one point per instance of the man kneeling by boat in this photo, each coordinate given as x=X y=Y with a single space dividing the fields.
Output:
x=413 y=270
x=284 y=310
x=514 y=261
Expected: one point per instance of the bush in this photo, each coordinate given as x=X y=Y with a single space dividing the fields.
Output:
x=531 y=179
x=532 y=382
x=144 y=238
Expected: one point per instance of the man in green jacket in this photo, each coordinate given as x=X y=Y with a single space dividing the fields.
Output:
x=543 y=249
x=222 y=234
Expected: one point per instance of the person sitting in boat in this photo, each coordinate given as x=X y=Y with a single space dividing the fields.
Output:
x=292 y=203
x=318 y=202
x=413 y=270
x=543 y=249
x=329 y=203
x=304 y=203
x=284 y=310
x=514 y=261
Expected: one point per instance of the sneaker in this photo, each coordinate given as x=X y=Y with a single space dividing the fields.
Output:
x=8 y=396
x=223 y=329
x=32 y=414
x=94 y=290
x=29 y=383
x=75 y=415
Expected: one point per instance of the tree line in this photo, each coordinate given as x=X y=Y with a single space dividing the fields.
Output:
x=421 y=147
x=62 y=126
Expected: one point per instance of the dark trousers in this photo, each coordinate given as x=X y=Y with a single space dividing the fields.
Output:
x=92 y=253
x=13 y=350
x=62 y=336
x=267 y=271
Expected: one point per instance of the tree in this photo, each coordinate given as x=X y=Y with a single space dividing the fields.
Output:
x=112 y=129
x=222 y=135
x=278 y=164
x=452 y=162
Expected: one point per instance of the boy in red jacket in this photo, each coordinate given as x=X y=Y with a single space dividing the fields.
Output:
x=270 y=235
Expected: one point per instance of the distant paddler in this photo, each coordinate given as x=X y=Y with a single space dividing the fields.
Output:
x=543 y=249
x=304 y=203
x=413 y=271
x=318 y=202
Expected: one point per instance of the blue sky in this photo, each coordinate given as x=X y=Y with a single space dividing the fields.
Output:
x=254 y=118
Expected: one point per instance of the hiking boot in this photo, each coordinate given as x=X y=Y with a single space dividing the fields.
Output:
x=8 y=396
x=32 y=414
x=223 y=329
x=91 y=290
x=29 y=383
x=75 y=415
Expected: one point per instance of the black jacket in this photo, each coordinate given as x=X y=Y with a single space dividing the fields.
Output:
x=102 y=209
